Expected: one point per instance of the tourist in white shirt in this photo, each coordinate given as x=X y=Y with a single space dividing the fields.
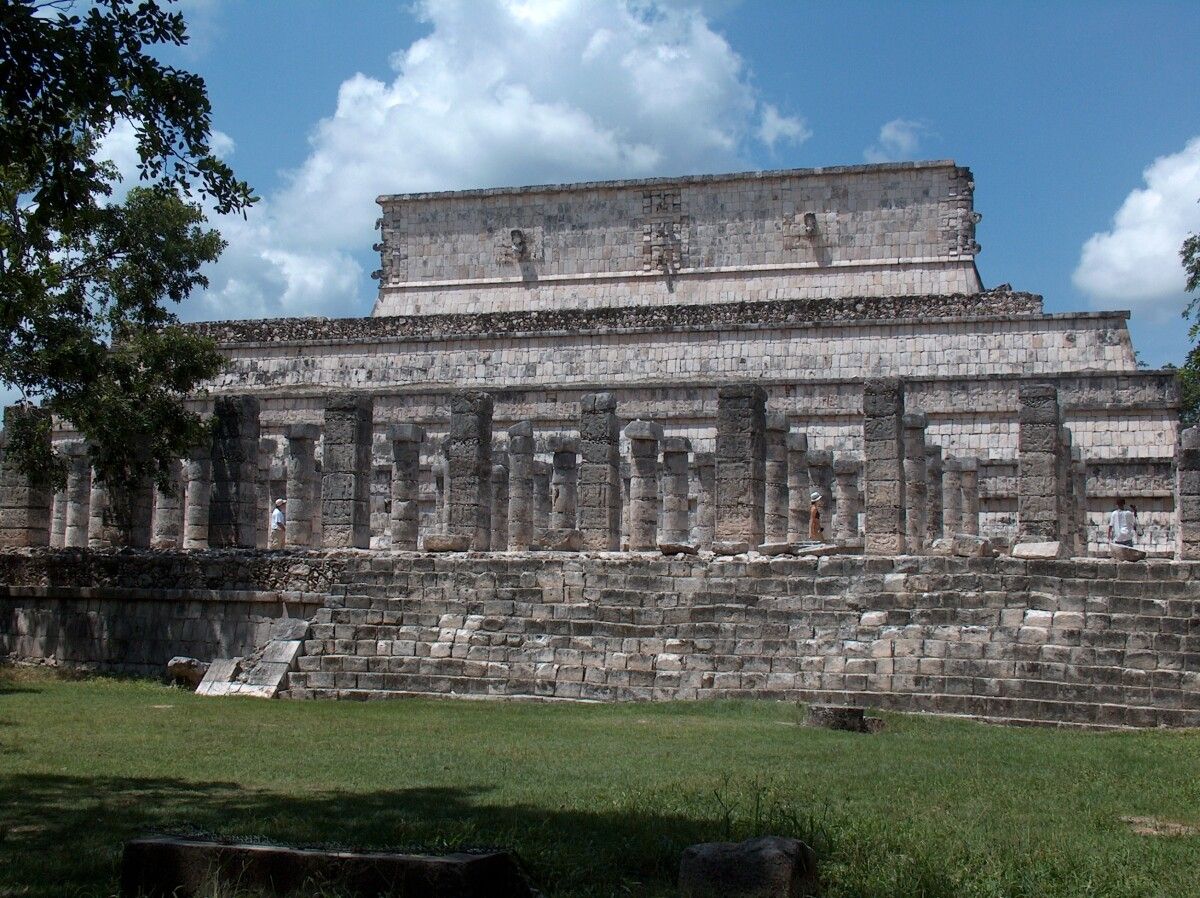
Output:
x=1122 y=525
x=277 y=525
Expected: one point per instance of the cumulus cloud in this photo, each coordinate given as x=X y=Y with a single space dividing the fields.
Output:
x=1136 y=261
x=899 y=139
x=497 y=93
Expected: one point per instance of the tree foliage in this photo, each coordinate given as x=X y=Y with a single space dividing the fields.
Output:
x=84 y=280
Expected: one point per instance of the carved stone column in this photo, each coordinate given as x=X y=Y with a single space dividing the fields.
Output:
x=916 y=491
x=933 y=498
x=197 y=474
x=301 y=465
x=520 y=486
x=706 y=485
x=541 y=499
x=644 y=438
x=599 y=473
x=845 y=498
x=79 y=489
x=564 y=482
x=741 y=467
x=469 y=451
x=1040 y=467
x=499 y=502
x=405 y=517
x=24 y=504
x=969 y=481
x=1187 y=495
x=951 y=497
x=883 y=469
x=798 y=487
x=346 y=473
x=233 y=503
x=777 y=484
x=167 y=530
x=675 y=490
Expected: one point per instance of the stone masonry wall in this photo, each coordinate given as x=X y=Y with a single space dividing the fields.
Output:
x=1079 y=642
x=898 y=228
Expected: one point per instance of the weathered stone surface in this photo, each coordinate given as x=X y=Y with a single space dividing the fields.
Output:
x=777 y=549
x=741 y=463
x=170 y=867
x=562 y=539
x=233 y=499
x=469 y=468
x=599 y=472
x=1045 y=549
x=839 y=717
x=971 y=545
x=24 y=505
x=447 y=542
x=764 y=867
x=677 y=549
x=676 y=526
x=188 y=671
x=1126 y=553
x=883 y=470
x=644 y=439
x=730 y=547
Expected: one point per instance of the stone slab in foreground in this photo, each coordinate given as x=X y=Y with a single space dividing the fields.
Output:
x=167 y=867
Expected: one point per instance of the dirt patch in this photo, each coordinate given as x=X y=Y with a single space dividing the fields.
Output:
x=1152 y=826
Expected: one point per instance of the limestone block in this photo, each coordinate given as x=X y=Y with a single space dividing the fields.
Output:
x=740 y=463
x=763 y=867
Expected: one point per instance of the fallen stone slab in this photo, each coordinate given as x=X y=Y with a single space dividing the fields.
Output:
x=678 y=549
x=289 y=628
x=840 y=717
x=221 y=673
x=968 y=545
x=820 y=550
x=777 y=549
x=730 y=547
x=187 y=671
x=1039 y=551
x=766 y=867
x=1126 y=553
x=168 y=867
x=447 y=542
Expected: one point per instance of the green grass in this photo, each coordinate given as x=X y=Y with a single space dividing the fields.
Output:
x=598 y=800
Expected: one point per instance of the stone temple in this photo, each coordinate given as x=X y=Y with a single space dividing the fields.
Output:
x=571 y=452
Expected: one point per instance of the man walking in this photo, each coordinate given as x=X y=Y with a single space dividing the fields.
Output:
x=275 y=540
x=1122 y=525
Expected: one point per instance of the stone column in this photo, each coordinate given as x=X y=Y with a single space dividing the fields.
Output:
x=951 y=497
x=266 y=454
x=845 y=493
x=79 y=488
x=969 y=482
x=24 y=504
x=599 y=473
x=405 y=518
x=819 y=463
x=883 y=469
x=705 y=496
x=775 y=513
x=1039 y=468
x=564 y=482
x=675 y=526
x=741 y=468
x=300 y=461
x=100 y=533
x=346 y=473
x=440 y=482
x=520 y=486
x=469 y=484
x=167 y=530
x=1187 y=495
x=541 y=500
x=58 y=519
x=644 y=437
x=933 y=497
x=798 y=488
x=1079 y=485
x=626 y=476
x=233 y=503
x=499 y=540
x=916 y=491
x=197 y=475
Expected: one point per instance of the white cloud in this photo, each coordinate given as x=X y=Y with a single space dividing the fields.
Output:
x=498 y=93
x=1136 y=262
x=899 y=139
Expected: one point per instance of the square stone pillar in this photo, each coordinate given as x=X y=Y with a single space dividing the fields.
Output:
x=916 y=482
x=233 y=503
x=499 y=540
x=541 y=500
x=300 y=463
x=798 y=487
x=775 y=513
x=119 y=518
x=266 y=455
x=79 y=489
x=599 y=473
x=469 y=484
x=24 y=504
x=197 y=493
x=1040 y=468
x=845 y=497
x=58 y=518
x=167 y=528
x=933 y=493
x=405 y=518
x=951 y=497
x=706 y=483
x=969 y=482
x=564 y=483
x=520 y=486
x=1079 y=486
x=1187 y=495
x=676 y=527
x=346 y=473
x=626 y=477
x=644 y=438
x=883 y=469
x=741 y=467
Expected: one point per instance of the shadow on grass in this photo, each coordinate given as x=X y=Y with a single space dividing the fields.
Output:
x=62 y=835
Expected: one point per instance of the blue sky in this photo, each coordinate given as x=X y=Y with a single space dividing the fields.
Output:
x=1060 y=109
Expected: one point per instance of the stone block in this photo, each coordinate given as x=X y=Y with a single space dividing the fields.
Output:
x=763 y=867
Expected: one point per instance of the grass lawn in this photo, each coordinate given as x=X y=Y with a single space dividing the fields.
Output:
x=598 y=800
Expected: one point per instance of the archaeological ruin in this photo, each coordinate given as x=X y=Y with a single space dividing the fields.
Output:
x=574 y=454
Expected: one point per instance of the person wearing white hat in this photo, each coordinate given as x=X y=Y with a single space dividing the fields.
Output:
x=275 y=539
x=815 y=530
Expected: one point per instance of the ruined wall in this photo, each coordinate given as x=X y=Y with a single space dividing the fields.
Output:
x=1083 y=642
x=903 y=228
